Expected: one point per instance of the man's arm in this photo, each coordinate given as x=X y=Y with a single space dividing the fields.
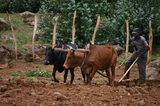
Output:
x=146 y=50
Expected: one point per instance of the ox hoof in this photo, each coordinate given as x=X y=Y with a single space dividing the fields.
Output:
x=56 y=81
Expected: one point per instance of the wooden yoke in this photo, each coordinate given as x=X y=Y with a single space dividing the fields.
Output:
x=95 y=30
x=61 y=49
x=82 y=50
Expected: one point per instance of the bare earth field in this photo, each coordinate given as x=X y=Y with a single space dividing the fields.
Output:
x=41 y=91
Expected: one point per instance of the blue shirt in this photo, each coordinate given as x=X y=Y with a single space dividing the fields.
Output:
x=140 y=45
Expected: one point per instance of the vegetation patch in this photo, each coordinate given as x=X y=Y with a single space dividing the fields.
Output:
x=15 y=73
x=2 y=77
x=39 y=73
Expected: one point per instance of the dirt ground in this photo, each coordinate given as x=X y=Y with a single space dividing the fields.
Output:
x=41 y=91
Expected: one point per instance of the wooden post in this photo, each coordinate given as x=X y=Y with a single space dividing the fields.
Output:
x=150 y=42
x=34 y=33
x=14 y=37
x=95 y=30
x=73 y=28
x=127 y=38
x=54 y=32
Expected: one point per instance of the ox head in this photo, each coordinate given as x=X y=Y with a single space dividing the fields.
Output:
x=51 y=55
x=73 y=58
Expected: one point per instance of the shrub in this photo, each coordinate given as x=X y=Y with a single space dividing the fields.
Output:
x=39 y=73
x=139 y=13
x=20 y=5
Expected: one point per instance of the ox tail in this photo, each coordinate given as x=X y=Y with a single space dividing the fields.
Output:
x=113 y=66
x=114 y=57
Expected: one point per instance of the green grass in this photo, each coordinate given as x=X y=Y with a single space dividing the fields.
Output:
x=154 y=57
x=15 y=61
x=2 y=77
x=23 y=32
x=39 y=73
x=15 y=73
x=121 y=60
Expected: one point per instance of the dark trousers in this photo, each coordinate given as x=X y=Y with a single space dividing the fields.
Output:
x=141 y=67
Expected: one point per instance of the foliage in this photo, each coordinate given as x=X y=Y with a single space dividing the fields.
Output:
x=154 y=57
x=4 y=5
x=85 y=19
x=39 y=73
x=15 y=61
x=139 y=13
x=20 y=5
x=15 y=73
x=23 y=32
x=113 y=15
x=2 y=77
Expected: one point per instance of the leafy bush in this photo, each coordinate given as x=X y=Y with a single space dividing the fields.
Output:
x=20 y=5
x=39 y=73
x=139 y=13
x=4 y=5
x=86 y=17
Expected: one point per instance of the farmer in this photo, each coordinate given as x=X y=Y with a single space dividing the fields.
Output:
x=140 y=50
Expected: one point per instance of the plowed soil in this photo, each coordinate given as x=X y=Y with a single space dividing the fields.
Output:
x=22 y=91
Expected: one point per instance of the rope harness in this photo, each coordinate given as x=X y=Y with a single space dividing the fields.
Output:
x=59 y=55
x=85 y=54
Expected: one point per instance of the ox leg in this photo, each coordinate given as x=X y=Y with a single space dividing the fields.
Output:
x=72 y=75
x=54 y=75
x=88 y=79
x=83 y=75
x=109 y=76
x=113 y=75
x=92 y=74
x=65 y=75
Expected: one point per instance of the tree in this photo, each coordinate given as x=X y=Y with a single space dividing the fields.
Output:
x=139 y=13
x=20 y=5
x=113 y=15
x=87 y=13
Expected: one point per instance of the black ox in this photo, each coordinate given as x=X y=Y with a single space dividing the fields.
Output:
x=57 y=58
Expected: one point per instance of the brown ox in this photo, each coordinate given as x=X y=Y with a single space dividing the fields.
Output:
x=98 y=57
x=73 y=59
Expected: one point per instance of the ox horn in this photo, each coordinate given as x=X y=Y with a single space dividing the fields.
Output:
x=70 y=47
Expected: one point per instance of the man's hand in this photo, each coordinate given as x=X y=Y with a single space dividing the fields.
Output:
x=144 y=52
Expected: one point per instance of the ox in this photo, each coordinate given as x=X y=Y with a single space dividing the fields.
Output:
x=93 y=58
x=73 y=59
x=57 y=58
